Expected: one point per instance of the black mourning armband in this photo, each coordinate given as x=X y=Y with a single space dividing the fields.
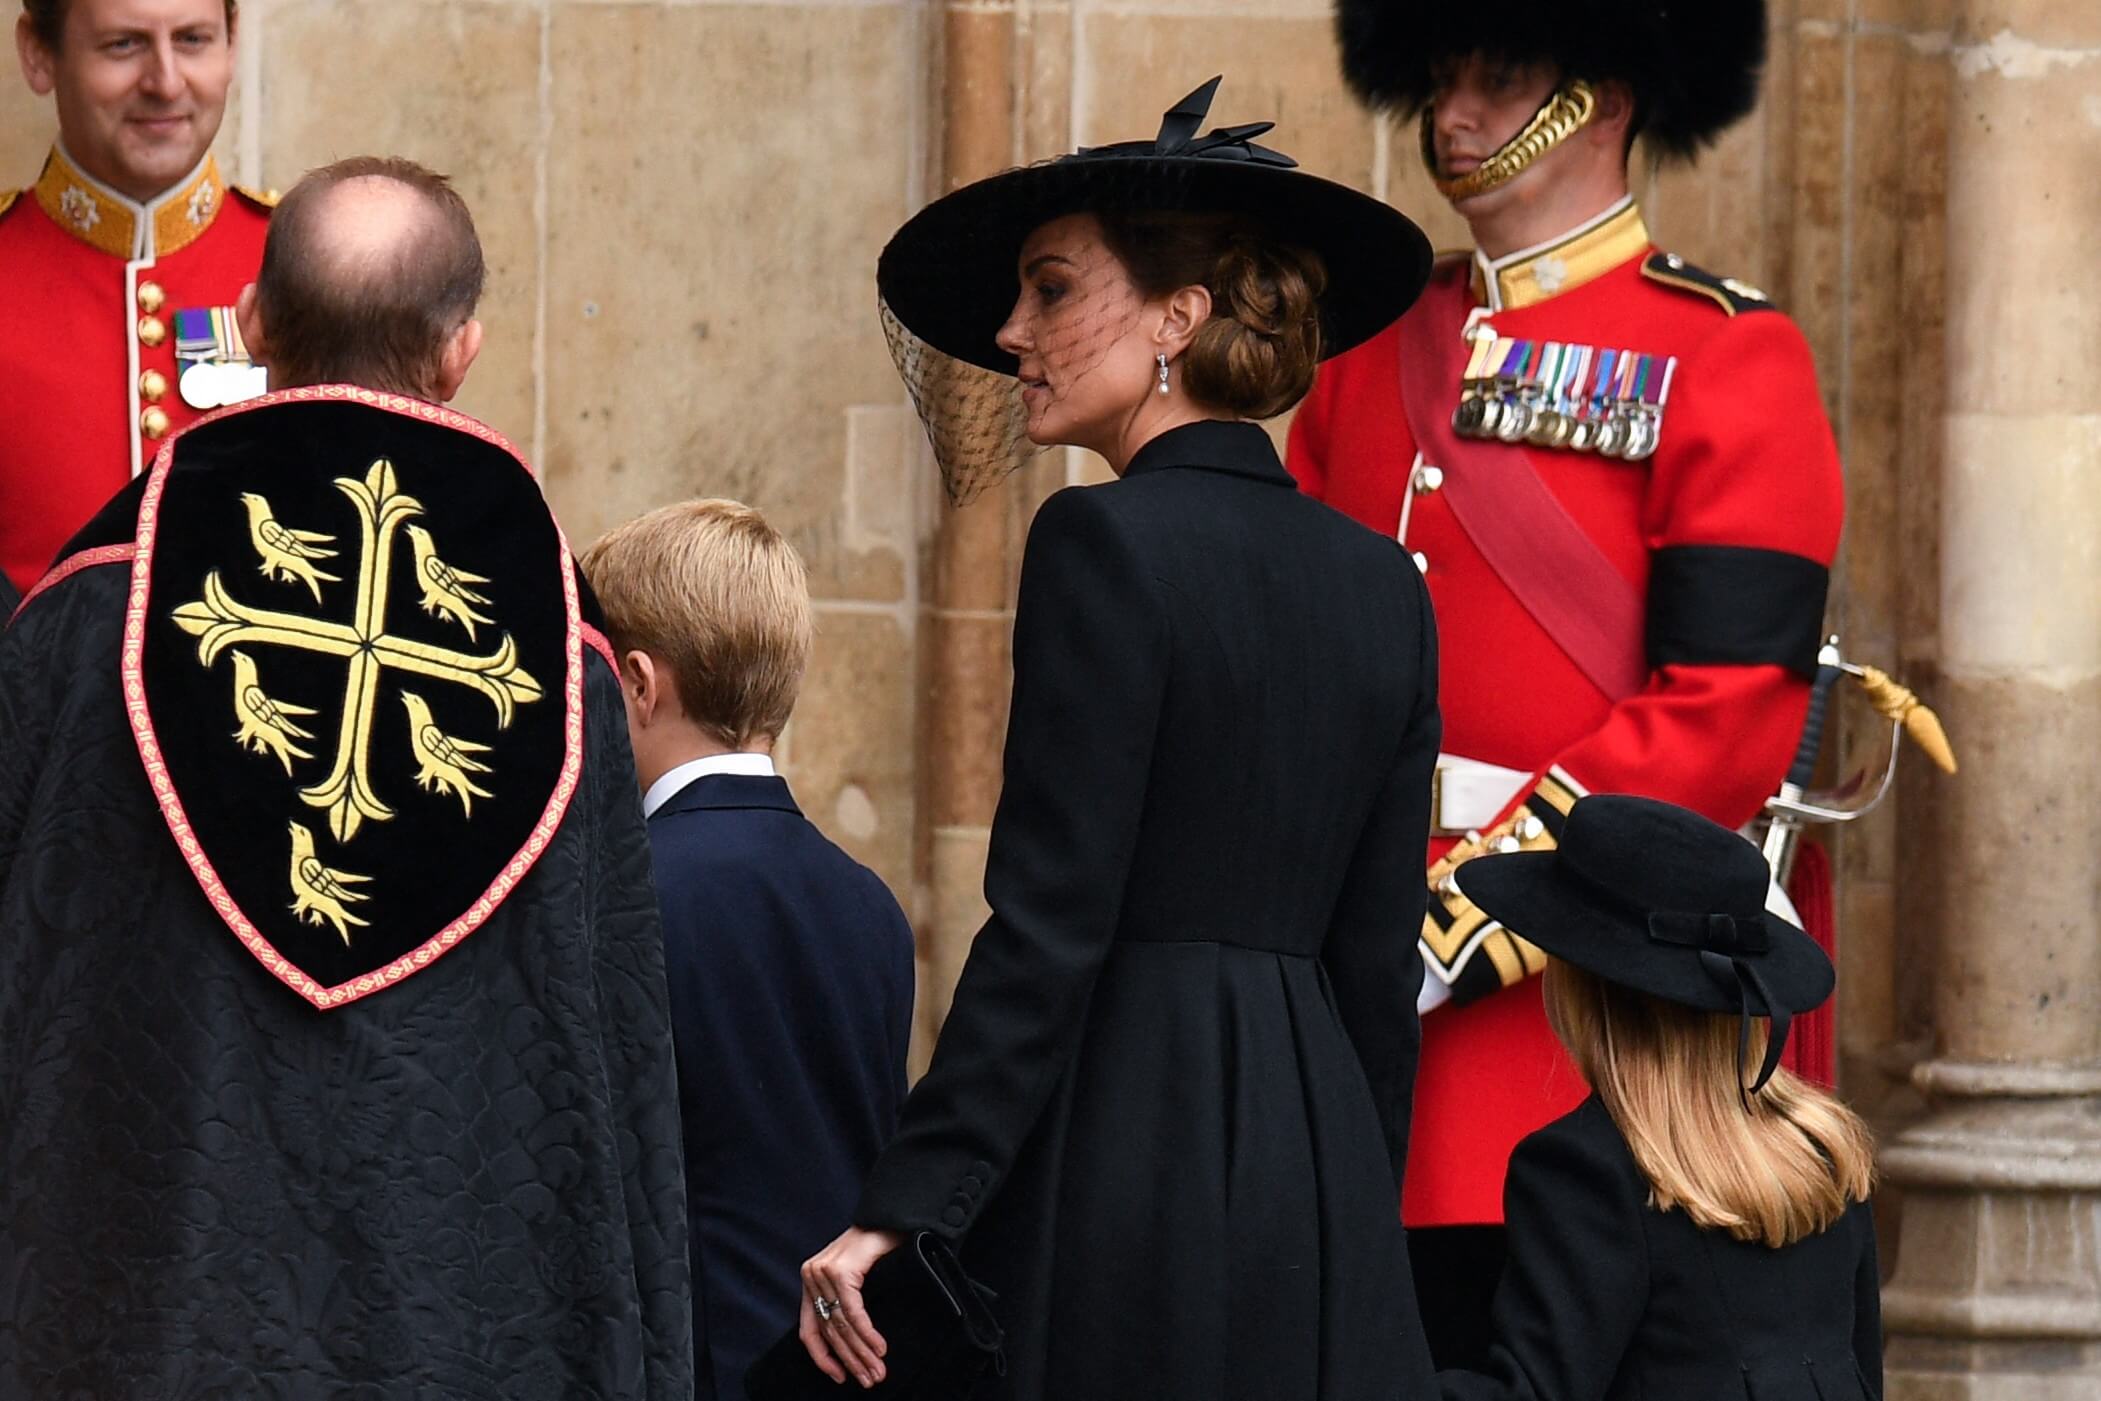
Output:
x=1732 y=605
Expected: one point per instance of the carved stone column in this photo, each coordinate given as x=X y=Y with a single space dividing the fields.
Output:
x=1997 y=1294
x=968 y=621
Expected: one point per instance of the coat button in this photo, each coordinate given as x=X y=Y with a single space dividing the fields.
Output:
x=153 y=386
x=154 y=423
x=1422 y=562
x=151 y=297
x=1428 y=479
x=151 y=331
x=952 y=1217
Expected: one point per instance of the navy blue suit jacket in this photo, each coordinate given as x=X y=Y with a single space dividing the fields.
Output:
x=791 y=976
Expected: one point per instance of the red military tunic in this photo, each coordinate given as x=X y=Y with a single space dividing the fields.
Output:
x=1745 y=458
x=89 y=378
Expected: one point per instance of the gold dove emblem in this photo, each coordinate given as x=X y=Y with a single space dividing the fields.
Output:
x=268 y=725
x=320 y=892
x=447 y=592
x=287 y=554
x=443 y=760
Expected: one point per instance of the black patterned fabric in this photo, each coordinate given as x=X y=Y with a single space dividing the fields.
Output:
x=468 y=1185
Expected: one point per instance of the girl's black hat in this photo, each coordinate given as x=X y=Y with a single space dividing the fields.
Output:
x=949 y=274
x=1658 y=899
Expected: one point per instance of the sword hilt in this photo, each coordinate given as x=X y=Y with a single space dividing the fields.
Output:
x=1829 y=667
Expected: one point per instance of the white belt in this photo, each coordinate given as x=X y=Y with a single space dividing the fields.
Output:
x=1467 y=795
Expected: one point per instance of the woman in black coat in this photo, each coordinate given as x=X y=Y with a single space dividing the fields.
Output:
x=1698 y=1229
x=1166 y=1117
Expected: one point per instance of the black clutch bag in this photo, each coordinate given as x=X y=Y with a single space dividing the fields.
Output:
x=935 y=1320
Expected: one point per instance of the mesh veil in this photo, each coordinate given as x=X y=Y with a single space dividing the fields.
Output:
x=991 y=352
x=1068 y=319
x=974 y=417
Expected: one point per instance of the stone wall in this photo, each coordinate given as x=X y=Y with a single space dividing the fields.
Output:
x=683 y=199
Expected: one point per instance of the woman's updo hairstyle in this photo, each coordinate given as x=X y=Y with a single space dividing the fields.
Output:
x=1255 y=357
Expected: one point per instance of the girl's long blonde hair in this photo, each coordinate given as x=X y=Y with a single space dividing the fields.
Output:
x=1784 y=1166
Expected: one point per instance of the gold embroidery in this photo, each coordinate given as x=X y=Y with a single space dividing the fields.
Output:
x=1470 y=931
x=321 y=891
x=287 y=554
x=347 y=794
x=1572 y=262
x=267 y=726
x=444 y=760
x=131 y=668
x=445 y=589
x=102 y=218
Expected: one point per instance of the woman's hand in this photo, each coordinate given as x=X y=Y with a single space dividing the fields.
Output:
x=845 y=1340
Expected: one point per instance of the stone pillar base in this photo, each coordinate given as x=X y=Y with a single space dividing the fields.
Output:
x=1997 y=1295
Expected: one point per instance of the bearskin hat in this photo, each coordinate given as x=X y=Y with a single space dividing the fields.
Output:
x=1693 y=64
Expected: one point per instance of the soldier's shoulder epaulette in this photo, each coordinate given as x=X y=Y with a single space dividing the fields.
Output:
x=265 y=200
x=1730 y=295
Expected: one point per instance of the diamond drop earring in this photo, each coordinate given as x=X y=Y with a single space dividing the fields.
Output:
x=1162 y=358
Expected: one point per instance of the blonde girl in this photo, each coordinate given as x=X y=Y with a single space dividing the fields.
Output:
x=1697 y=1230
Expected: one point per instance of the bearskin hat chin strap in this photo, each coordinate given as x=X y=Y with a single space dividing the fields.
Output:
x=1561 y=116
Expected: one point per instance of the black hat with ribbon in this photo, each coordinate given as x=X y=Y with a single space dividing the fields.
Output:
x=949 y=275
x=1658 y=899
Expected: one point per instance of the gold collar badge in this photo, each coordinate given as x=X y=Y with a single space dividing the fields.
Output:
x=101 y=218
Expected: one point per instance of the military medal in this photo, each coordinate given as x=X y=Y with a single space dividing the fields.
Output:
x=1649 y=424
x=1555 y=394
x=213 y=365
x=1516 y=419
x=1545 y=421
x=1466 y=419
x=1572 y=395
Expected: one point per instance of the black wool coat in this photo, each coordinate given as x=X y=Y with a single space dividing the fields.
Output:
x=1604 y=1298
x=1168 y=1112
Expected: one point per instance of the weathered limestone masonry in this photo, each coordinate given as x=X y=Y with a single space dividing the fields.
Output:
x=683 y=200
x=1997 y=1292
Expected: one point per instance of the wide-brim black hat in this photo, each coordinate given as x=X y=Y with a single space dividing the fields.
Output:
x=1658 y=899
x=949 y=274
x=1693 y=66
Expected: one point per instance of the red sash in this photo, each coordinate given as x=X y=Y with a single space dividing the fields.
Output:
x=1538 y=550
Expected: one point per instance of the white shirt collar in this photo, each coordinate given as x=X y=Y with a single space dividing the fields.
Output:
x=675 y=781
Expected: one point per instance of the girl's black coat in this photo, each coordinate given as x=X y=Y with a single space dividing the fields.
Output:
x=1604 y=1298
x=1169 y=1108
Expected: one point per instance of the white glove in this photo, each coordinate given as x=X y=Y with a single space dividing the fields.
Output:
x=1435 y=991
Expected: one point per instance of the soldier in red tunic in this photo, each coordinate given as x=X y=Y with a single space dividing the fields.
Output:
x=1617 y=476
x=122 y=263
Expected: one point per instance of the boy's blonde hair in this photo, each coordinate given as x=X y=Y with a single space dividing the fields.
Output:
x=1784 y=1166
x=719 y=599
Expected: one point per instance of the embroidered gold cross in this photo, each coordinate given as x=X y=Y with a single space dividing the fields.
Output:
x=219 y=621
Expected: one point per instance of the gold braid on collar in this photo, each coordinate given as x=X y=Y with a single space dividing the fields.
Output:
x=1558 y=118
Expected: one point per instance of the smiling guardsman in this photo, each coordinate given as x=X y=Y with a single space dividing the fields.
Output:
x=1618 y=477
x=122 y=263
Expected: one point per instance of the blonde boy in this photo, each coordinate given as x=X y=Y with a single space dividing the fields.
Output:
x=790 y=965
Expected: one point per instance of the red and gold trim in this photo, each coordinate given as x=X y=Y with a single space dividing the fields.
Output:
x=603 y=645
x=71 y=565
x=132 y=675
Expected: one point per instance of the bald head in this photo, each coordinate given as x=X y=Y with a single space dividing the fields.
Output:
x=370 y=276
